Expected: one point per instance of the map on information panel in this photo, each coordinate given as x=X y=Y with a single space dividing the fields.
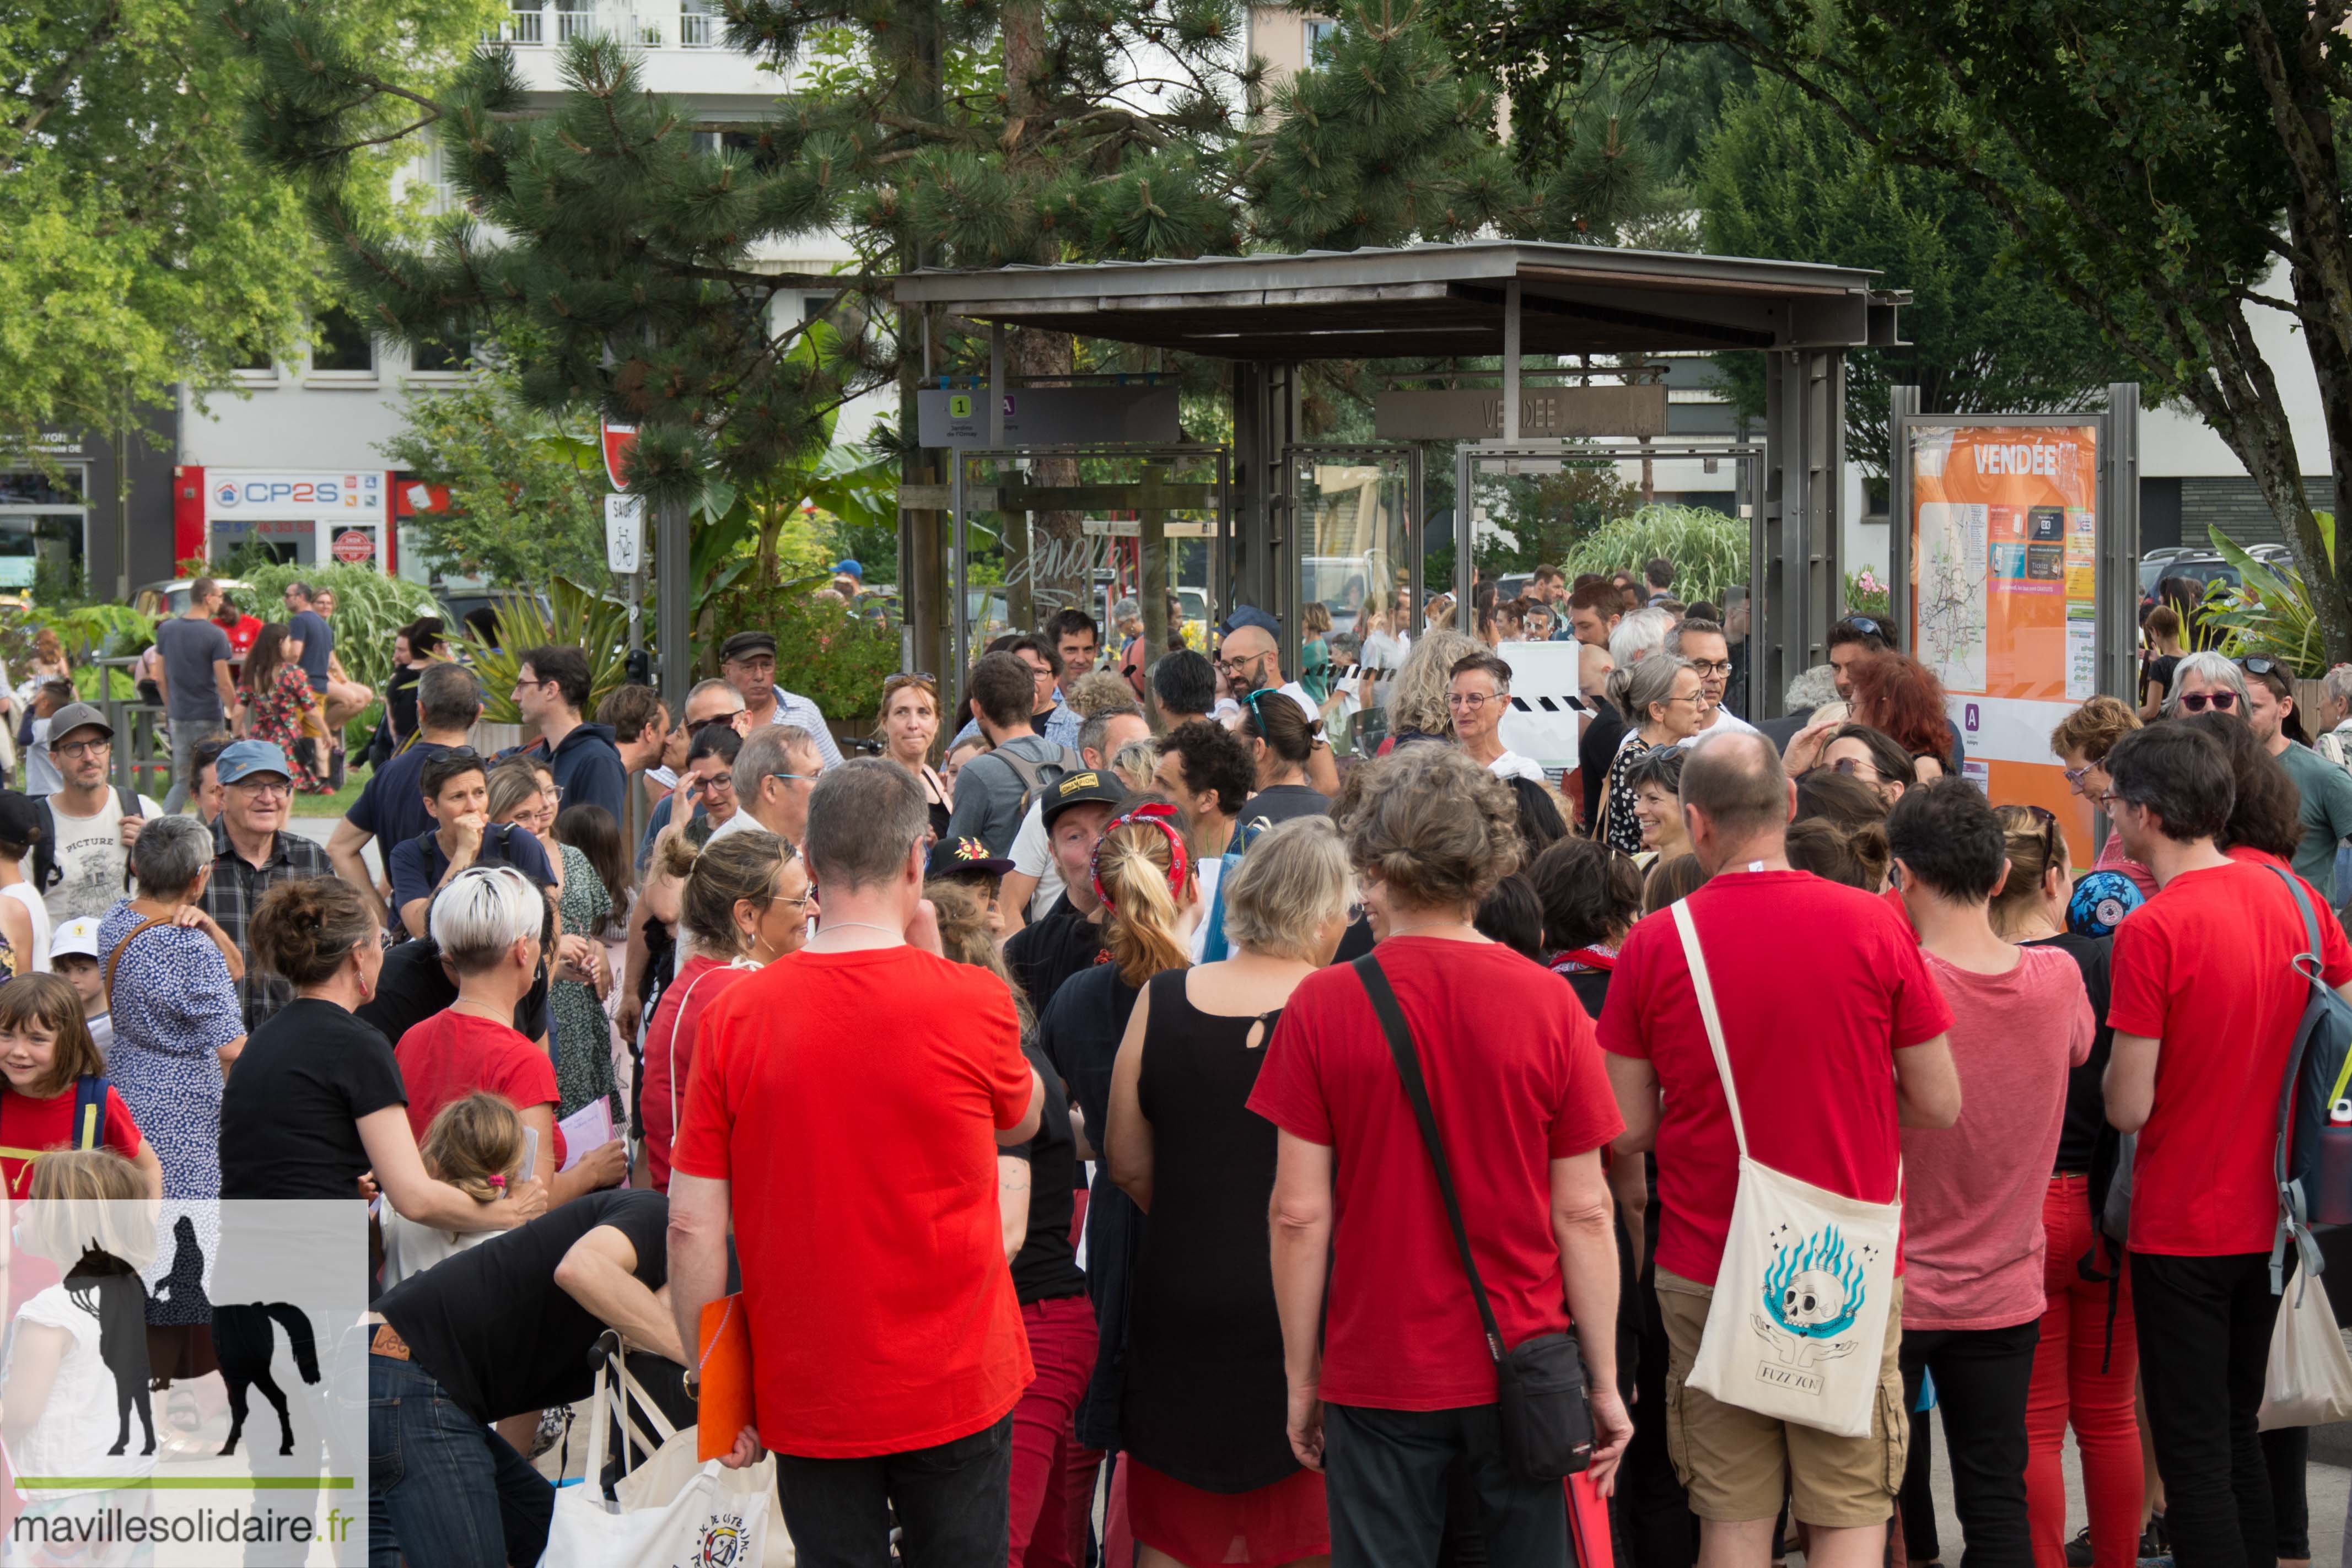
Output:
x=1951 y=592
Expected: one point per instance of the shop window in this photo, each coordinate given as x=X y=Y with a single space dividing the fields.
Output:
x=42 y=487
x=42 y=554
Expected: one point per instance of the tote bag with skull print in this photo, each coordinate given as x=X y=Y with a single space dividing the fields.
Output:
x=1797 y=1323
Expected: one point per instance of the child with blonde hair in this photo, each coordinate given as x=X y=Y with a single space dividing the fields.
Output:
x=476 y=1144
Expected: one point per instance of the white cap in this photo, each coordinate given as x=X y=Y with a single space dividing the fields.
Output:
x=77 y=935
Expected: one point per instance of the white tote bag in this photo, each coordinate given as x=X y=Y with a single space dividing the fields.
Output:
x=2309 y=1383
x=1798 y=1324
x=704 y=1515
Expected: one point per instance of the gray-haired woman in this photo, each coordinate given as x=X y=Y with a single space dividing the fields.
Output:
x=1659 y=696
x=170 y=974
x=2206 y=682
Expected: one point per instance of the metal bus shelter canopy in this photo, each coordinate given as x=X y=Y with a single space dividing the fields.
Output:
x=1486 y=299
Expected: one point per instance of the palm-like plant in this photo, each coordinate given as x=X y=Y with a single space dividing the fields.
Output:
x=2270 y=611
x=573 y=617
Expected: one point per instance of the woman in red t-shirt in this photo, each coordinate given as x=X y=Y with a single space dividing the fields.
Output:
x=744 y=903
x=46 y=1049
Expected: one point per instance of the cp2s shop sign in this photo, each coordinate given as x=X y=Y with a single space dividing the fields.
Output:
x=274 y=491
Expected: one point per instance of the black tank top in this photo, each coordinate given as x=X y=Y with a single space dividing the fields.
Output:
x=1205 y=1399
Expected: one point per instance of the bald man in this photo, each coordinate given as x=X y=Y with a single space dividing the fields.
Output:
x=1250 y=660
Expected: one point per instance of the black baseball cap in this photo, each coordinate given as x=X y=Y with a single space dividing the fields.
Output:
x=1089 y=787
x=966 y=856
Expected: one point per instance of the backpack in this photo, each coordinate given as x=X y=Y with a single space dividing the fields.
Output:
x=2320 y=1065
x=46 y=873
x=88 y=1124
x=1038 y=777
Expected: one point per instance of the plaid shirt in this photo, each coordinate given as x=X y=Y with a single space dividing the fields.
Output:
x=794 y=708
x=236 y=891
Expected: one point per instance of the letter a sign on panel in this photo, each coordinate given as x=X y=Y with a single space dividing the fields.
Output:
x=620 y=440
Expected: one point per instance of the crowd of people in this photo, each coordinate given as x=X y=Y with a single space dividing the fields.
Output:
x=1141 y=1135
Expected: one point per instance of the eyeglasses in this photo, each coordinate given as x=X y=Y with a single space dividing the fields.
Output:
x=1474 y=701
x=2074 y=776
x=803 y=778
x=83 y=748
x=260 y=786
x=2219 y=702
x=1856 y=768
x=1234 y=667
x=1712 y=667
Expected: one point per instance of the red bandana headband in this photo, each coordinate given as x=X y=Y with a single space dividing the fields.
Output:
x=1159 y=814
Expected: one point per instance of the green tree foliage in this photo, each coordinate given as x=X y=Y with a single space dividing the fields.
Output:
x=146 y=245
x=526 y=487
x=601 y=231
x=2170 y=167
x=1783 y=176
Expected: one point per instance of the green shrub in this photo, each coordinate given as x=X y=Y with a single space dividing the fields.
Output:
x=369 y=608
x=1708 y=549
x=824 y=651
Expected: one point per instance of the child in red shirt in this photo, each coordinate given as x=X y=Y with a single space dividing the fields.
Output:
x=46 y=1049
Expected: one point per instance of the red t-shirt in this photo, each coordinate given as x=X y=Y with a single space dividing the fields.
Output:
x=1516 y=1082
x=669 y=1053
x=241 y=633
x=452 y=1054
x=1972 y=1191
x=29 y=1127
x=852 y=1102
x=1818 y=984
x=2206 y=970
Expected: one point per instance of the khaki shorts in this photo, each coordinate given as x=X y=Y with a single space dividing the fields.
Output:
x=1733 y=1460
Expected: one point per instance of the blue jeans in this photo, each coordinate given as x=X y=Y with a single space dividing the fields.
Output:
x=443 y=1487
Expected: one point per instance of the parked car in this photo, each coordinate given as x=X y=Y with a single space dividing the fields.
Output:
x=170 y=597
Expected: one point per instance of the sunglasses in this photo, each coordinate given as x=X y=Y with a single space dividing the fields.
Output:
x=923 y=675
x=1864 y=625
x=2256 y=666
x=2219 y=702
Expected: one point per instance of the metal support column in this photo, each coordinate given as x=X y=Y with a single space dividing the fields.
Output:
x=1797 y=536
x=1265 y=424
x=674 y=600
x=2119 y=537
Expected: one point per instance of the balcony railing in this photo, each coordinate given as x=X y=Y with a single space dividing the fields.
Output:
x=696 y=28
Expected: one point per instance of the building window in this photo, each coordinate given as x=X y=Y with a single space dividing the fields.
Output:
x=39 y=487
x=340 y=345
x=571 y=23
x=527 y=24
x=1320 y=38
x=697 y=24
x=436 y=358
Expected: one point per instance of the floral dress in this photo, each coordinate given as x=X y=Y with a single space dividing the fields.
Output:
x=277 y=716
x=583 y=1036
x=174 y=1007
x=1624 y=829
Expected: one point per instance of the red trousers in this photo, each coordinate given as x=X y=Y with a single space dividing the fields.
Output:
x=2069 y=1386
x=1052 y=1478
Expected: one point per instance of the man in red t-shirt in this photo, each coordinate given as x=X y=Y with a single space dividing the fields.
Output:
x=844 y=1108
x=487 y=922
x=1824 y=998
x=1389 y=1373
x=2205 y=999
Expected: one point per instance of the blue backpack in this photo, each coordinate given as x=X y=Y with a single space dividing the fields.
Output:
x=2321 y=1066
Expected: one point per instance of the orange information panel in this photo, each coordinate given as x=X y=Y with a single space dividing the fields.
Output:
x=2003 y=608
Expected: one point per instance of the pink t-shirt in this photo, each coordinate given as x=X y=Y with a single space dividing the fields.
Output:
x=1972 y=1191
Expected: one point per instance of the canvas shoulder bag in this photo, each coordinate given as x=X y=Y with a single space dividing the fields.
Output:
x=1538 y=1384
x=1797 y=1326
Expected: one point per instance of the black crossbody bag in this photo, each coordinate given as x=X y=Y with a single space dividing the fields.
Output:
x=1539 y=1385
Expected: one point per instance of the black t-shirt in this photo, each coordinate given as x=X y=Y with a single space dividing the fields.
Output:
x=2157 y=672
x=1595 y=750
x=2086 y=1103
x=413 y=987
x=494 y=1327
x=1049 y=950
x=1280 y=803
x=1046 y=1267
x=290 y=1113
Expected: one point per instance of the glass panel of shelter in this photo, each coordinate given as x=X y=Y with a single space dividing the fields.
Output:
x=1355 y=568
x=1044 y=530
x=1539 y=501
